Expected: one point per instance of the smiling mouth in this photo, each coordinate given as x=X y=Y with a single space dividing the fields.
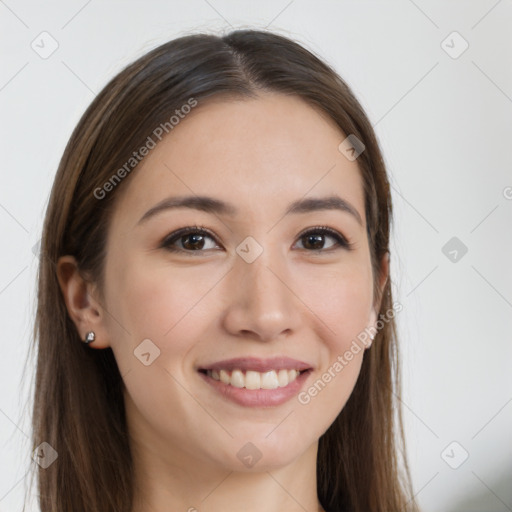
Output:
x=253 y=380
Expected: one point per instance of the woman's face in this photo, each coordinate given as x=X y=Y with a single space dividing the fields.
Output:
x=261 y=283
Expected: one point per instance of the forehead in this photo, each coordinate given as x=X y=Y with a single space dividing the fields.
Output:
x=260 y=154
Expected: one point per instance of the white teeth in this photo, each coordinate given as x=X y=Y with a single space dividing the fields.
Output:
x=252 y=380
x=237 y=379
x=255 y=380
x=269 y=380
x=282 y=377
x=224 y=376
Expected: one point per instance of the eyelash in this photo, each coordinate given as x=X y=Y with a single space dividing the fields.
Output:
x=341 y=241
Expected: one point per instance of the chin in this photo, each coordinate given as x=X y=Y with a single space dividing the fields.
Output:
x=260 y=453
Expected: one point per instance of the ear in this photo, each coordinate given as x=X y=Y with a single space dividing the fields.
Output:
x=383 y=278
x=85 y=311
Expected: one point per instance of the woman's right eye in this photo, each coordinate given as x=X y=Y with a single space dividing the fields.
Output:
x=191 y=239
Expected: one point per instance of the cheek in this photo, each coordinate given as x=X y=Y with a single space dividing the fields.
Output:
x=158 y=303
x=341 y=298
x=164 y=305
x=342 y=301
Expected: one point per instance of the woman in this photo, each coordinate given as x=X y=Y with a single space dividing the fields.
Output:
x=215 y=265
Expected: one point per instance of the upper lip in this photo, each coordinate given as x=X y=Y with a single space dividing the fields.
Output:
x=257 y=364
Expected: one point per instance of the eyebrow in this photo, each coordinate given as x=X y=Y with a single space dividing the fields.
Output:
x=216 y=206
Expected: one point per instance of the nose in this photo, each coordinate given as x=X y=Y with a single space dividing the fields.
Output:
x=262 y=304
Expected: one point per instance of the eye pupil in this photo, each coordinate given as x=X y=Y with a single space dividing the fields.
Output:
x=316 y=241
x=196 y=239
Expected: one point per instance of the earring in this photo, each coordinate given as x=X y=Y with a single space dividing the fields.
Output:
x=89 y=337
x=370 y=344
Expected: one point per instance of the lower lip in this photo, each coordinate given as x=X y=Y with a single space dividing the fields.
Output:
x=258 y=397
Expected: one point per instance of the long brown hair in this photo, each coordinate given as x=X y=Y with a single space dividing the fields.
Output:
x=78 y=404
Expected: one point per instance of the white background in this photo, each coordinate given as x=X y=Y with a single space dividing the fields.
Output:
x=445 y=127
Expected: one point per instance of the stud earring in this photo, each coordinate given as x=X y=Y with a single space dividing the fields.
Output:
x=90 y=337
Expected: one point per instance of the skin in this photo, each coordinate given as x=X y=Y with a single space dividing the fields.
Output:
x=197 y=308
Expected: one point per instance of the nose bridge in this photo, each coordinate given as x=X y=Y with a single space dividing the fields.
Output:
x=262 y=301
x=262 y=281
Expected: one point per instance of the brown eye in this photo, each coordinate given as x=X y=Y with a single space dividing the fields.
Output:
x=189 y=240
x=315 y=239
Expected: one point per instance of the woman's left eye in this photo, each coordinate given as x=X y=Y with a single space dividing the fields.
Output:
x=316 y=237
x=194 y=239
